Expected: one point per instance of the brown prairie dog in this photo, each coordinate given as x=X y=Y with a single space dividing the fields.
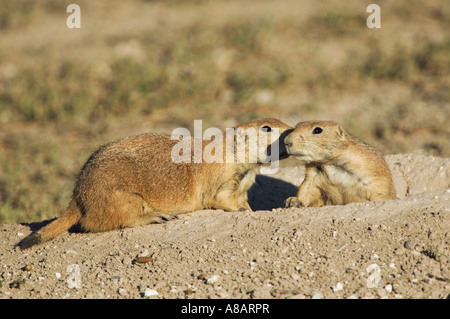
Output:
x=134 y=181
x=340 y=169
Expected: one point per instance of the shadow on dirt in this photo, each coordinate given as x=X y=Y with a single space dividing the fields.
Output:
x=34 y=226
x=268 y=193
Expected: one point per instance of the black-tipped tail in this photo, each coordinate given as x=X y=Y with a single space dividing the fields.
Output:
x=55 y=228
x=33 y=239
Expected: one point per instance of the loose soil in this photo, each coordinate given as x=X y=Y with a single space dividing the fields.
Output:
x=388 y=249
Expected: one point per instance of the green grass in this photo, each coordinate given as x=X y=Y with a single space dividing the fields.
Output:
x=433 y=253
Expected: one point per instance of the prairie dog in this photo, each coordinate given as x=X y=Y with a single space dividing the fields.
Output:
x=134 y=181
x=340 y=168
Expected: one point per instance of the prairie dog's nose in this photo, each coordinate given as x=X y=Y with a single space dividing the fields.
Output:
x=288 y=141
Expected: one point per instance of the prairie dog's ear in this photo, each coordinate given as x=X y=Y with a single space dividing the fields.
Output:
x=239 y=132
x=340 y=133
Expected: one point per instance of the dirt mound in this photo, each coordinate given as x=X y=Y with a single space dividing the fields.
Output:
x=389 y=249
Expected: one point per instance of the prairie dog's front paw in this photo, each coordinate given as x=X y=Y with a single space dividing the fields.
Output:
x=292 y=202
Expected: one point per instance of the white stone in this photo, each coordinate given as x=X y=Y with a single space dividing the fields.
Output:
x=388 y=288
x=339 y=286
x=374 y=279
x=150 y=292
x=317 y=295
x=213 y=279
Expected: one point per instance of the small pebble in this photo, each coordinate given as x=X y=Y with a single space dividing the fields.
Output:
x=374 y=278
x=144 y=253
x=150 y=292
x=201 y=277
x=410 y=244
x=339 y=286
x=143 y=260
x=317 y=295
x=213 y=279
x=388 y=288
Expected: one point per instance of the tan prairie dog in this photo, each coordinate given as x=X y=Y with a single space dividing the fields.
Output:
x=340 y=169
x=134 y=181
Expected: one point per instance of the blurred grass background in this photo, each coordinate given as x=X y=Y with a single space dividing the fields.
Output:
x=150 y=66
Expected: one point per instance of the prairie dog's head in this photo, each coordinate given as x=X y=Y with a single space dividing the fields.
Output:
x=315 y=141
x=262 y=140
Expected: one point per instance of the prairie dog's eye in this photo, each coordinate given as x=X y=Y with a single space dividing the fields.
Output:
x=266 y=128
x=317 y=130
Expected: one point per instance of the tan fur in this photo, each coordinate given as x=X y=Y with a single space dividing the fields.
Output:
x=340 y=169
x=134 y=181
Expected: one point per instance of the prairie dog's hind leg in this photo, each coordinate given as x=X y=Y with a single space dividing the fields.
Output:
x=120 y=210
x=156 y=219
x=151 y=215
